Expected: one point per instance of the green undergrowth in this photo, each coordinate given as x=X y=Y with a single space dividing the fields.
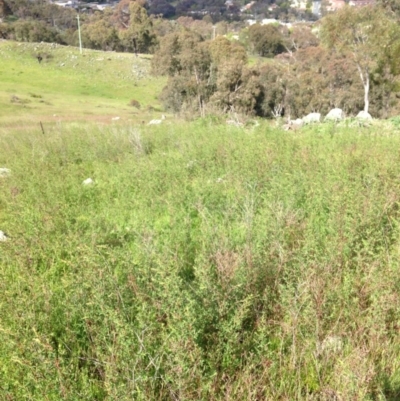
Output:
x=205 y=262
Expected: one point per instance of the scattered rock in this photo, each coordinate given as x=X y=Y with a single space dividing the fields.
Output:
x=293 y=125
x=5 y=172
x=235 y=123
x=156 y=122
x=312 y=118
x=335 y=115
x=88 y=181
x=3 y=237
x=364 y=115
x=331 y=344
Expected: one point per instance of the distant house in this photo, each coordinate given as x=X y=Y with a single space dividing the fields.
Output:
x=335 y=5
x=361 y=3
x=67 y=4
x=299 y=4
x=247 y=7
x=267 y=21
x=316 y=8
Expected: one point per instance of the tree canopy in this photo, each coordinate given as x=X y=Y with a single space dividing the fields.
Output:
x=368 y=34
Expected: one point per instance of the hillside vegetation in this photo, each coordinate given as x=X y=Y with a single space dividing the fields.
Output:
x=349 y=59
x=69 y=86
x=201 y=261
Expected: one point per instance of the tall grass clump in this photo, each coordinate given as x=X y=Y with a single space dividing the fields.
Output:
x=205 y=262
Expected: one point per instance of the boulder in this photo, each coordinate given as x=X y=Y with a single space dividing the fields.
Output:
x=88 y=181
x=3 y=237
x=364 y=115
x=335 y=115
x=330 y=345
x=4 y=172
x=312 y=118
x=293 y=125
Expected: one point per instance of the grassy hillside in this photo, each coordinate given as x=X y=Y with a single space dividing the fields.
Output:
x=68 y=86
x=204 y=263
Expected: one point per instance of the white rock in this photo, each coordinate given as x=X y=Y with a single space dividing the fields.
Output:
x=293 y=125
x=331 y=344
x=3 y=237
x=5 y=172
x=312 y=118
x=234 y=123
x=335 y=115
x=156 y=122
x=88 y=181
x=115 y=118
x=364 y=115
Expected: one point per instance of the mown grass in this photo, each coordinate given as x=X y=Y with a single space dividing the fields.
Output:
x=68 y=86
x=205 y=263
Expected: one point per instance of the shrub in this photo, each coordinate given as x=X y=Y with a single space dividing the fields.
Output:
x=134 y=103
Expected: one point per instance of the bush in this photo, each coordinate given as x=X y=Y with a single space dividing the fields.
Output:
x=134 y=103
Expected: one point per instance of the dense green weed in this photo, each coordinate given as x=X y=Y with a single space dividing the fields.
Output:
x=204 y=263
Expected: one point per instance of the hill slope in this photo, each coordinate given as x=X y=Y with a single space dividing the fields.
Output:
x=69 y=86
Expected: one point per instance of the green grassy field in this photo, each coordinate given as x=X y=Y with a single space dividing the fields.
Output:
x=67 y=86
x=205 y=262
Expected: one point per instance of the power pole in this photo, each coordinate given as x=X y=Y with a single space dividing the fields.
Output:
x=79 y=34
x=214 y=28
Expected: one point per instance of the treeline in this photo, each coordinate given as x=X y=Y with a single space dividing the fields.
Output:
x=350 y=62
x=349 y=59
x=127 y=27
x=213 y=10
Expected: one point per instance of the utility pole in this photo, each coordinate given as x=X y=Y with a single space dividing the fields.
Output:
x=214 y=28
x=79 y=34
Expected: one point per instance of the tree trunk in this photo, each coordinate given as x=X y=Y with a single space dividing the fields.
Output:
x=366 y=94
x=364 y=75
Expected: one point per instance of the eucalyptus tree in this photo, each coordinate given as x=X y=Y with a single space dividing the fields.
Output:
x=197 y=69
x=137 y=33
x=369 y=35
